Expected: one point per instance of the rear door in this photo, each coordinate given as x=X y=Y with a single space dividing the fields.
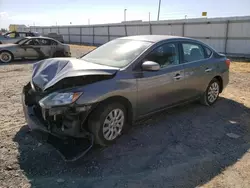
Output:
x=46 y=47
x=199 y=67
x=157 y=89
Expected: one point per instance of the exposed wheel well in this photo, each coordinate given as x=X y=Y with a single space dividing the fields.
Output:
x=119 y=99
x=220 y=81
x=122 y=100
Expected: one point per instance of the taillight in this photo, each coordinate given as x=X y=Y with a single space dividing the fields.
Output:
x=228 y=62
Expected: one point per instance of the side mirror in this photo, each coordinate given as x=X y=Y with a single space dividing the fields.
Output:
x=150 y=66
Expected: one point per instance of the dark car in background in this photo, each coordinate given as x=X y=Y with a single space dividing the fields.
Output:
x=14 y=36
x=56 y=36
x=106 y=90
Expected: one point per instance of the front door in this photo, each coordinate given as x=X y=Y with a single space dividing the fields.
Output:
x=46 y=48
x=157 y=89
x=30 y=49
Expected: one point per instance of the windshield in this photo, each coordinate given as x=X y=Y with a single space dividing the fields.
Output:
x=117 y=53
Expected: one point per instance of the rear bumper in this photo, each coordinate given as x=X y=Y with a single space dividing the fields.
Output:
x=67 y=54
x=64 y=128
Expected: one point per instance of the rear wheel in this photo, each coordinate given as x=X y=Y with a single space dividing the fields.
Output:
x=107 y=123
x=58 y=54
x=212 y=93
x=5 y=57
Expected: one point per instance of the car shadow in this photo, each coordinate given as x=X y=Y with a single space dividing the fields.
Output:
x=185 y=146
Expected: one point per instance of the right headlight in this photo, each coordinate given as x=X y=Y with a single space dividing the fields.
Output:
x=59 y=99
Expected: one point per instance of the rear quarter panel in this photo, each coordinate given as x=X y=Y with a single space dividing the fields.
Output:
x=222 y=70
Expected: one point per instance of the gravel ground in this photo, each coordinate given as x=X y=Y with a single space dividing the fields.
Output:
x=188 y=146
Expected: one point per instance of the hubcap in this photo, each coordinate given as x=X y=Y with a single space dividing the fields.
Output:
x=5 y=57
x=113 y=124
x=213 y=92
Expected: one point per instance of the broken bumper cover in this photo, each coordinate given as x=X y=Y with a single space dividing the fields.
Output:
x=35 y=123
x=68 y=127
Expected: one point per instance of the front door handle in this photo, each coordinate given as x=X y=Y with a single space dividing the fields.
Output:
x=177 y=76
x=208 y=70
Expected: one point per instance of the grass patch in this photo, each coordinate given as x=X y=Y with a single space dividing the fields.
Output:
x=243 y=67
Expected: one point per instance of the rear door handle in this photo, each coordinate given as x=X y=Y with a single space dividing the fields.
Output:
x=177 y=76
x=208 y=70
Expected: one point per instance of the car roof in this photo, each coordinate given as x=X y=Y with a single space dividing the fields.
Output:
x=40 y=37
x=153 y=38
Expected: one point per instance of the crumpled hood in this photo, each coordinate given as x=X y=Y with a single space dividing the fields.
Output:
x=48 y=72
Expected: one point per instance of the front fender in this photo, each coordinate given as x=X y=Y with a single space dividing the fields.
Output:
x=102 y=90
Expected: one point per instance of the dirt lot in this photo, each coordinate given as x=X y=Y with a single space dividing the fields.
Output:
x=189 y=146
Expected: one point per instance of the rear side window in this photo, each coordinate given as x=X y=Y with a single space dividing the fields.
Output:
x=54 y=43
x=45 y=42
x=22 y=35
x=208 y=52
x=193 y=52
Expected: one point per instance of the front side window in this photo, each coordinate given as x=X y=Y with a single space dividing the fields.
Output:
x=32 y=42
x=192 y=52
x=166 y=55
x=117 y=53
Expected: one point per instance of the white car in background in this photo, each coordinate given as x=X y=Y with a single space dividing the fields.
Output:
x=33 y=48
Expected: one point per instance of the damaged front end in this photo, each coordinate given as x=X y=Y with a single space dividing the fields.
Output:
x=59 y=120
x=49 y=100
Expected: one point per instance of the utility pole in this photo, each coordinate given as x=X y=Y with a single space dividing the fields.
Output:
x=149 y=16
x=159 y=10
x=125 y=12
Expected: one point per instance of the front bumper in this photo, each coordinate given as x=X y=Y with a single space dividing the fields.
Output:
x=69 y=125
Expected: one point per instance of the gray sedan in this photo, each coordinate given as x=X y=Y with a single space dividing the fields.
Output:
x=33 y=48
x=105 y=91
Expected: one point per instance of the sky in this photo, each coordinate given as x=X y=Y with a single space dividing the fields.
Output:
x=81 y=12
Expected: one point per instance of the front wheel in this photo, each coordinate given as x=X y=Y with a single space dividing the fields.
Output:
x=211 y=94
x=5 y=57
x=107 y=123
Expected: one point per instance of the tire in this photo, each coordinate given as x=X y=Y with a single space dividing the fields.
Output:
x=58 y=54
x=212 y=92
x=6 y=57
x=100 y=123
